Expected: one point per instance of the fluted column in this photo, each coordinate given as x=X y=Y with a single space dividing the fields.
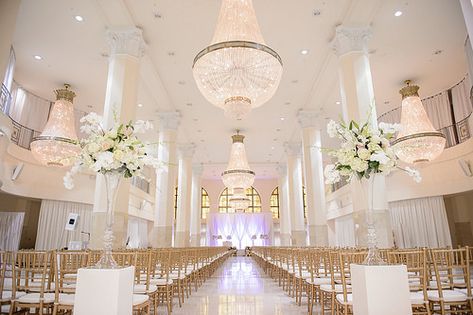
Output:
x=284 y=214
x=161 y=234
x=357 y=96
x=314 y=178
x=184 y=193
x=296 y=203
x=196 y=206
x=126 y=49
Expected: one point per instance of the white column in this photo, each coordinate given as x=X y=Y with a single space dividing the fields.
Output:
x=184 y=192
x=357 y=96
x=284 y=214
x=161 y=234
x=196 y=206
x=314 y=178
x=296 y=203
x=126 y=49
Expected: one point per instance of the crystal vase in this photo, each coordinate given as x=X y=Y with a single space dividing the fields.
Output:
x=112 y=181
x=373 y=258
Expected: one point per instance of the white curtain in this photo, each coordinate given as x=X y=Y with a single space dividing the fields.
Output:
x=438 y=110
x=420 y=222
x=8 y=75
x=391 y=117
x=137 y=233
x=461 y=99
x=11 y=226
x=345 y=231
x=52 y=222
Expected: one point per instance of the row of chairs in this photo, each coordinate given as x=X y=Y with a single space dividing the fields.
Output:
x=439 y=279
x=46 y=280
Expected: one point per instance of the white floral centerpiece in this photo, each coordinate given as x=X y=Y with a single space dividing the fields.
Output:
x=364 y=152
x=115 y=153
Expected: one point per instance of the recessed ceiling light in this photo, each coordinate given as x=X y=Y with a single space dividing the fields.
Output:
x=37 y=57
x=316 y=12
x=181 y=82
x=295 y=81
x=272 y=148
x=282 y=118
x=337 y=102
x=79 y=18
x=140 y=105
x=189 y=104
x=287 y=103
x=304 y=51
x=398 y=13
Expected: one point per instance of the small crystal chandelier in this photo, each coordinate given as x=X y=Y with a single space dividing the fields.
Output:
x=239 y=201
x=57 y=144
x=417 y=141
x=237 y=71
x=238 y=173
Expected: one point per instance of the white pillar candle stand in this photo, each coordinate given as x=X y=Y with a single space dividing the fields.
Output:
x=380 y=290
x=104 y=291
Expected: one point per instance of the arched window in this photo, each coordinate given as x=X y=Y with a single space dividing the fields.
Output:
x=274 y=203
x=252 y=193
x=205 y=203
x=304 y=201
x=175 y=203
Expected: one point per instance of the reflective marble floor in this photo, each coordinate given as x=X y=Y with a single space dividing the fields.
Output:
x=240 y=287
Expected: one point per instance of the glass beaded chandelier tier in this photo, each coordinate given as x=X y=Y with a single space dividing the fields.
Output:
x=238 y=173
x=418 y=141
x=239 y=201
x=237 y=71
x=57 y=144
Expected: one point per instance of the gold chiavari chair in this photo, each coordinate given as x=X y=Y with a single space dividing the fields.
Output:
x=144 y=268
x=344 y=300
x=452 y=271
x=330 y=290
x=161 y=279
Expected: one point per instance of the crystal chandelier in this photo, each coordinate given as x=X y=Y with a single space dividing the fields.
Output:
x=238 y=173
x=417 y=141
x=57 y=144
x=238 y=200
x=237 y=71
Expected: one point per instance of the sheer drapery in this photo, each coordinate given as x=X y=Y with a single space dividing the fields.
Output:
x=137 y=233
x=10 y=70
x=345 y=231
x=52 y=222
x=461 y=99
x=11 y=226
x=438 y=110
x=242 y=229
x=420 y=222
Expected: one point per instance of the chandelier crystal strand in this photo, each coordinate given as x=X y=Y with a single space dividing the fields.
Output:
x=418 y=141
x=57 y=144
x=238 y=173
x=237 y=72
x=239 y=201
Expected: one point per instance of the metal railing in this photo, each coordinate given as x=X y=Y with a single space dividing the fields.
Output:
x=457 y=133
x=5 y=100
x=141 y=184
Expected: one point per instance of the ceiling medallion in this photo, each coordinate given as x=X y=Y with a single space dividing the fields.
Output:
x=418 y=141
x=237 y=72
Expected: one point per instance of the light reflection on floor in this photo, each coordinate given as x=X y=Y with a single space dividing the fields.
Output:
x=239 y=287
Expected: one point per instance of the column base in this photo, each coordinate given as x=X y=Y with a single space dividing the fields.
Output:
x=120 y=230
x=285 y=239
x=318 y=235
x=161 y=236
x=382 y=224
x=195 y=240
x=182 y=239
x=299 y=238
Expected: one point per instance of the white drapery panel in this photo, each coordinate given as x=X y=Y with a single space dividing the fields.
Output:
x=345 y=231
x=52 y=222
x=242 y=229
x=137 y=233
x=461 y=99
x=11 y=226
x=438 y=110
x=420 y=222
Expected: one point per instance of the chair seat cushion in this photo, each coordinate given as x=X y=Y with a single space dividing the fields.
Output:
x=417 y=298
x=349 y=299
x=448 y=296
x=32 y=298
x=7 y=295
x=141 y=289
x=161 y=282
x=336 y=288
x=319 y=281
x=139 y=299
x=66 y=299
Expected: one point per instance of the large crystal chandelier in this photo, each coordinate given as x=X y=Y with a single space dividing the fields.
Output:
x=417 y=141
x=239 y=201
x=237 y=71
x=57 y=144
x=238 y=173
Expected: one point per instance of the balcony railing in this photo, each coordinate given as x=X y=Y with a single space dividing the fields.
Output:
x=5 y=99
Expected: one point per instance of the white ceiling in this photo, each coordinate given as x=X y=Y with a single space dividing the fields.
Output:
x=175 y=30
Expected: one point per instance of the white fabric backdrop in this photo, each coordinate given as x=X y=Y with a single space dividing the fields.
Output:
x=11 y=226
x=420 y=222
x=137 y=233
x=461 y=99
x=52 y=222
x=345 y=231
x=239 y=228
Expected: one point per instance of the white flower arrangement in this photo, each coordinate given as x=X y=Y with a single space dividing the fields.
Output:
x=364 y=151
x=115 y=150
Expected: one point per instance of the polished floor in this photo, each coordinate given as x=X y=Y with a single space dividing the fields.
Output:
x=240 y=287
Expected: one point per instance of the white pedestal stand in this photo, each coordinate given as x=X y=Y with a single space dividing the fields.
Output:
x=380 y=290
x=104 y=292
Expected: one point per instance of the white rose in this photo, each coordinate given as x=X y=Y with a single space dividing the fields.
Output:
x=364 y=154
x=359 y=165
